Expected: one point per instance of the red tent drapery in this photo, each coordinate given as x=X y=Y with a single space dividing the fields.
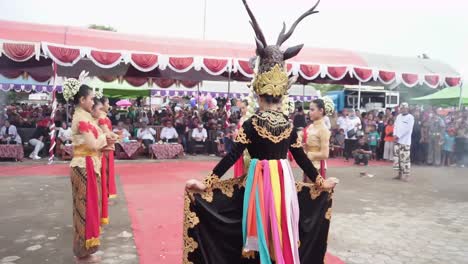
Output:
x=68 y=45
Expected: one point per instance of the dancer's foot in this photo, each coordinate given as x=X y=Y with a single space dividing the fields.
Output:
x=88 y=259
x=397 y=177
x=405 y=178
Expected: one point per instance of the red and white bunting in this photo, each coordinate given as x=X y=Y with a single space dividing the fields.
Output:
x=65 y=55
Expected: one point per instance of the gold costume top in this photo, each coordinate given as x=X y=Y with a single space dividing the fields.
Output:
x=86 y=140
x=318 y=142
x=105 y=125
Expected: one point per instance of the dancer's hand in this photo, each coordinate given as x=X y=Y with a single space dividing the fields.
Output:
x=330 y=183
x=195 y=186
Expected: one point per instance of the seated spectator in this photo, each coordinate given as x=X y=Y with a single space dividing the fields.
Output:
x=199 y=136
x=9 y=134
x=146 y=134
x=338 y=143
x=38 y=138
x=65 y=134
x=122 y=131
x=169 y=133
x=220 y=140
x=362 y=153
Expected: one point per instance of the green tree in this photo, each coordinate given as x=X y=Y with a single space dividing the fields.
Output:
x=102 y=27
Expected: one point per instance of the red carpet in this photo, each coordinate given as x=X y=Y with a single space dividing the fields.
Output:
x=155 y=202
x=154 y=194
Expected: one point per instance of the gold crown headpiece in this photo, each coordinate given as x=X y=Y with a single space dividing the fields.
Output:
x=274 y=82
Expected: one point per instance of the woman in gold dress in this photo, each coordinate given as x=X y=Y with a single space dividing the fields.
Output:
x=316 y=137
x=107 y=160
x=85 y=168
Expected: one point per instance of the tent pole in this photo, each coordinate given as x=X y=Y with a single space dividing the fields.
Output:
x=66 y=110
x=303 y=95
x=460 y=99
x=198 y=94
x=359 y=97
x=204 y=20
x=229 y=85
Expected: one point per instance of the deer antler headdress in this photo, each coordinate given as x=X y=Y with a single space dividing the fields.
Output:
x=271 y=77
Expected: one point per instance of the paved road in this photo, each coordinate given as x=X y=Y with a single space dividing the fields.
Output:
x=380 y=220
x=375 y=220
x=35 y=223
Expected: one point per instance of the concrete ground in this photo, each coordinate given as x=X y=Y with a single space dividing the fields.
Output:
x=375 y=220
x=35 y=223
x=380 y=220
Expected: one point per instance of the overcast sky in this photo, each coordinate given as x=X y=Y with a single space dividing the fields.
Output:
x=397 y=27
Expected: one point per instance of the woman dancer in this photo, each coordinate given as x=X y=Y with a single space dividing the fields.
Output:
x=316 y=137
x=85 y=168
x=255 y=219
x=107 y=169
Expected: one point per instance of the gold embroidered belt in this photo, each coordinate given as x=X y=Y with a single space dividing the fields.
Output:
x=83 y=151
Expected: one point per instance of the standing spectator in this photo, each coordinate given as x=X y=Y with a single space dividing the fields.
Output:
x=169 y=133
x=299 y=118
x=436 y=133
x=352 y=127
x=341 y=120
x=182 y=130
x=381 y=130
x=449 y=147
x=199 y=136
x=388 y=147
x=37 y=140
x=373 y=139
x=146 y=134
x=362 y=153
x=424 y=141
x=9 y=134
x=388 y=114
x=416 y=153
x=402 y=135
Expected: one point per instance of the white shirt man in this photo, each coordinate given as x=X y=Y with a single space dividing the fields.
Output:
x=65 y=134
x=123 y=132
x=403 y=128
x=169 y=132
x=402 y=131
x=8 y=133
x=352 y=122
x=146 y=133
x=199 y=134
x=341 y=121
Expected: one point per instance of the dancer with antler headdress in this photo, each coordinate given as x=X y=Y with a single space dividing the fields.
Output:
x=266 y=216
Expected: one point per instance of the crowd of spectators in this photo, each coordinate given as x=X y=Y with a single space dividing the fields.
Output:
x=439 y=137
x=199 y=131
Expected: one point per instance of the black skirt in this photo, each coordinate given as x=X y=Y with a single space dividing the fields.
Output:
x=213 y=224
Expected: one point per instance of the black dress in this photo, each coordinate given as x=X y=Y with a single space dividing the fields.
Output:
x=216 y=222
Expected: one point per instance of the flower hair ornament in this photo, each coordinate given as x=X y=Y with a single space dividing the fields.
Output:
x=98 y=92
x=329 y=105
x=71 y=86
